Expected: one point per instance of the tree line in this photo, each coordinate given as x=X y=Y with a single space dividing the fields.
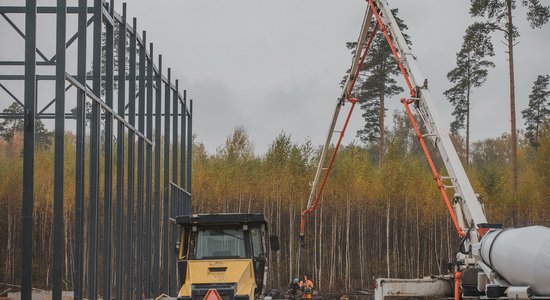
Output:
x=375 y=219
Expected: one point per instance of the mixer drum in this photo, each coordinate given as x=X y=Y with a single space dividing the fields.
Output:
x=521 y=256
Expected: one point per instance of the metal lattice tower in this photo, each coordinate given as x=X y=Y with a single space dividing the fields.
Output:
x=133 y=203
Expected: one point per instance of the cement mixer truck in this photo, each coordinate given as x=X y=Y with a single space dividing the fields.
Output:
x=492 y=262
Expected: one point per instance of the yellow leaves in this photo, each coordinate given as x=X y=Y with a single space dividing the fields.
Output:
x=11 y=166
x=277 y=184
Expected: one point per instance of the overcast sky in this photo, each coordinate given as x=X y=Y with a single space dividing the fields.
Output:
x=273 y=66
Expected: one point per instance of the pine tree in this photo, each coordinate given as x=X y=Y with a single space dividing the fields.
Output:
x=9 y=127
x=471 y=71
x=499 y=15
x=376 y=82
x=537 y=114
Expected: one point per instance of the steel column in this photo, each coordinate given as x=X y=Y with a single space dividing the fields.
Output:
x=149 y=172
x=119 y=258
x=94 y=156
x=152 y=204
x=80 y=148
x=183 y=140
x=173 y=202
x=131 y=161
x=58 y=211
x=165 y=206
x=28 y=151
x=189 y=150
x=108 y=178
x=156 y=214
x=175 y=132
x=140 y=181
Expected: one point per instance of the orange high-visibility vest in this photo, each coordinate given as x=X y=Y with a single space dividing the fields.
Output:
x=309 y=284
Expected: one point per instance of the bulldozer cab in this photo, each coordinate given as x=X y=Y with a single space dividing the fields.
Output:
x=225 y=254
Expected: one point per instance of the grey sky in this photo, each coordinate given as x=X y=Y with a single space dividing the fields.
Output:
x=276 y=65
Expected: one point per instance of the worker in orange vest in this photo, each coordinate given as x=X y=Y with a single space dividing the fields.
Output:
x=306 y=286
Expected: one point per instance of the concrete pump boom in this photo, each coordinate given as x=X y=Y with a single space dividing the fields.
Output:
x=491 y=262
x=511 y=263
x=361 y=51
x=346 y=93
x=436 y=133
x=497 y=263
x=466 y=203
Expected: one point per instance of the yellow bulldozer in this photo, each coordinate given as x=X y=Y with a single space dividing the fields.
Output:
x=223 y=256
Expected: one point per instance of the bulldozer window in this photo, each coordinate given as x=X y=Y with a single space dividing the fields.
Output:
x=257 y=245
x=184 y=243
x=220 y=243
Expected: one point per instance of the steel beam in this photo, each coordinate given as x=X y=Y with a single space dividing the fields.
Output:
x=105 y=107
x=71 y=41
x=22 y=63
x=24 y=36
x=73 y=116
x=12 y=95
x=53 y=100
x=51 y=77
x=40 y=9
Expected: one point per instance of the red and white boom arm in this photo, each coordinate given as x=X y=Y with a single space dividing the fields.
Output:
x=467 y=210
x=467 y=206
x=501 y=263
x=509 y=263
x=363 y=44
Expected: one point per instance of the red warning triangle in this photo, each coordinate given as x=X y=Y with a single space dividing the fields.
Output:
x=212 y=294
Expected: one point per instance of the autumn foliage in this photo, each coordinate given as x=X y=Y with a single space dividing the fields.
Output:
x=375 y=220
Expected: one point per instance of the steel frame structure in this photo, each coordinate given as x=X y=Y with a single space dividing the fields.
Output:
x=132 y=218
